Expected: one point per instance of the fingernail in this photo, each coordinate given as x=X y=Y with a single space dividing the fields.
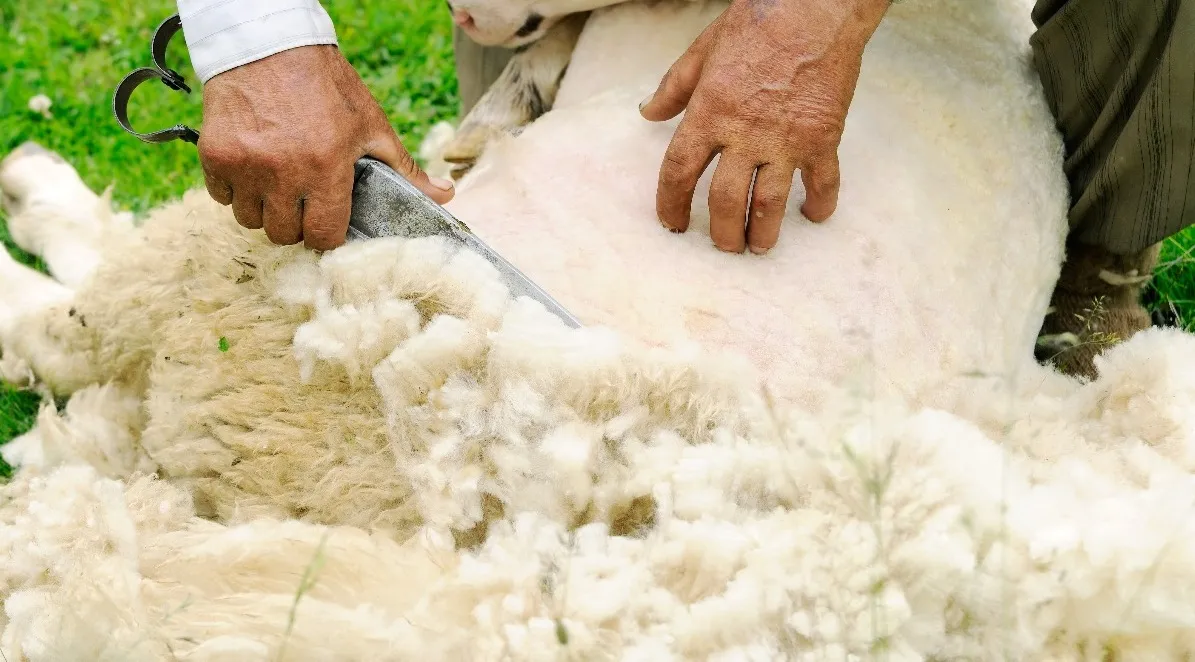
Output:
x=441 y=183
x=758 y=251
x=646 y=101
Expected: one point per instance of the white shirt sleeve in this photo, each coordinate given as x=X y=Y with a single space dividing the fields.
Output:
x=223 y=34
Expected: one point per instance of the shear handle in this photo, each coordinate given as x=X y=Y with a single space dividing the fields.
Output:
x=169 y=77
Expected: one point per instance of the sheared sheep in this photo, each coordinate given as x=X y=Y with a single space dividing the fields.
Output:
x=841 y=450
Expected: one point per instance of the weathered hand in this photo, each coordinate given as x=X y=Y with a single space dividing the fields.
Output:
x=767 y=86
x=280 y=138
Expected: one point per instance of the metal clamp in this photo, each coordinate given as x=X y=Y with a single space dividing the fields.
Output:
x=169 y=77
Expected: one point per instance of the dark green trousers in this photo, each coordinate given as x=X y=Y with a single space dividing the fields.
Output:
x=1119 y=76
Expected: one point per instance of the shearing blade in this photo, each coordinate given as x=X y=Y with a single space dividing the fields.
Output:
x=385 y=204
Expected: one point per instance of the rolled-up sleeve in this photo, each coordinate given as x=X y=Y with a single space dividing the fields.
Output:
x=222 y=34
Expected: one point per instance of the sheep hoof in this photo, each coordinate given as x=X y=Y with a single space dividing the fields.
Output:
x=469 y=143
x=460 y=171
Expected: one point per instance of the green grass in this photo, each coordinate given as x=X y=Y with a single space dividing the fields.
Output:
x=76 y=52
x=1173 y=287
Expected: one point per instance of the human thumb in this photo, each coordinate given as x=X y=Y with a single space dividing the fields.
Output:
x=390 y=151
x=676 y=88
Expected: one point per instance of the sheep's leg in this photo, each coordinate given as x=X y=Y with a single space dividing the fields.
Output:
x=43 y=330
x=53 y=214
x=25 y=292
x=525 y=90
x=32 y=337
x=29 y=177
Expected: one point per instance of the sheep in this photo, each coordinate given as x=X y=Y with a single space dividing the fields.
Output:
x=524 y=90
x=542 y=36
x=727 y=299
x=377 y=453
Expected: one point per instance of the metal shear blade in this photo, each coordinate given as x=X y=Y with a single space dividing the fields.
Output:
x=385 y=204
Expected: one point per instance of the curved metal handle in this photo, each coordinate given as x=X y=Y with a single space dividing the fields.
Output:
x=169 y=77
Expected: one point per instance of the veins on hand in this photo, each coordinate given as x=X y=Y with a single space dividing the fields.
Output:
x=760 y=9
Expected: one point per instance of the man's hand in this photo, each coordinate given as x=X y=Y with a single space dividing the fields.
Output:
x=767 y=86
x=280 y=138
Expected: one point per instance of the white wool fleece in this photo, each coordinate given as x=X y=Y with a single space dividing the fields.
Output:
x=376 y=453
x=866 y=526
x=570 y=490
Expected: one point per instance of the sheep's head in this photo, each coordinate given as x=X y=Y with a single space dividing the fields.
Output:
x=508 y=23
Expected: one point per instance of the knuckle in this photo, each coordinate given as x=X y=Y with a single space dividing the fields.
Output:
x=673 y=78
x=677 y=172
x=676 y=158
x=230 y=158
x=268 y=161
x=824 y=181
x=823 y=137
x=319 y=159
x=323 y=160
x=218 y=156
x=722 y=200
x=674 y=184
x=769 y=204
x=676 y=81
x=406 y=162
x=237 y=155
